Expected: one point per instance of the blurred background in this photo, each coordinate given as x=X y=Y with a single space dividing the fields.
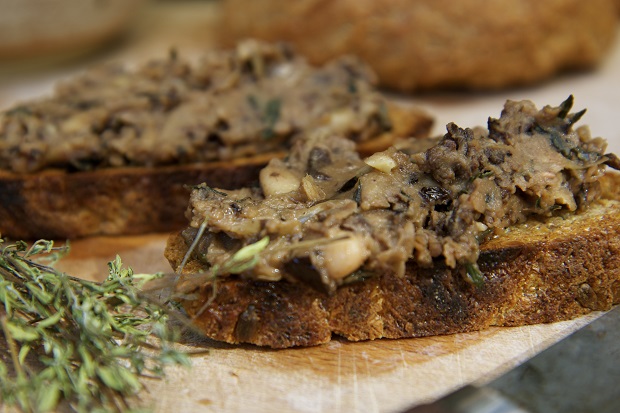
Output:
x=43 y=40
x=460 y=61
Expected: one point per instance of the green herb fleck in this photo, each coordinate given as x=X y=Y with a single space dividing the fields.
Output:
x=482 y=236
x=269 y=114
x=253 y=102
x=474 y=276
x=351 y=86
x=556 y=138
x=358 y=276
x=481 y=174
x=206 y=188
x=19 y=110
x=558 y=141
x=272 y=114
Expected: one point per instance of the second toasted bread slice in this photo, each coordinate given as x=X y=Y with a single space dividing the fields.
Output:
x=113 y=151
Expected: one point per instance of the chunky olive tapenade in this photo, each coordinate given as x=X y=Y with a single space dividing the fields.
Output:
x=231 y=104
x=332 y=217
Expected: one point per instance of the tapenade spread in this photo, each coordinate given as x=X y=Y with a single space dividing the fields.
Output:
x=332 y=217
x=254 y=99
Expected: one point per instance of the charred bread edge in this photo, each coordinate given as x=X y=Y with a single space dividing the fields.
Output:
x=539 y=272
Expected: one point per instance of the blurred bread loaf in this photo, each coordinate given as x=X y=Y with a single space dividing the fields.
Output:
x=429 y=44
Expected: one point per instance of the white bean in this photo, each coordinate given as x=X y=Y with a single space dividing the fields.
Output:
x=342 y=257
x=275 y=180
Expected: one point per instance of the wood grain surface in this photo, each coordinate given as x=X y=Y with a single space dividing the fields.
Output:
x=373 y=376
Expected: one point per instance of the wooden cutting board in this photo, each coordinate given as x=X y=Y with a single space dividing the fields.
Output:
x=374 y=376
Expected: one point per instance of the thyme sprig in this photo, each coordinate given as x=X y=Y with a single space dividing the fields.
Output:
x=244 y=259
x=86 y=344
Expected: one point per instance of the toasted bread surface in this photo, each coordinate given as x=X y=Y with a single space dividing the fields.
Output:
x=537 y=272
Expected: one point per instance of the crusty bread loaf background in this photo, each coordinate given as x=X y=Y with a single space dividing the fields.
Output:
x=429 y=44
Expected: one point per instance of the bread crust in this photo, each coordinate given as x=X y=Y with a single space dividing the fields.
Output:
x=538 y=272
x=429 y=44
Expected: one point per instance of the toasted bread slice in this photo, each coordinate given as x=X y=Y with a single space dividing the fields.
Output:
x=515 y=225
x=113 y=150
x=537 y=272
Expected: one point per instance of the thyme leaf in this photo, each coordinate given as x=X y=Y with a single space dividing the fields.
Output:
x=473 y=275
x=272 y=114
x=269 y=114
x=85 y=344
x=244 y=259
x=247 y=257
